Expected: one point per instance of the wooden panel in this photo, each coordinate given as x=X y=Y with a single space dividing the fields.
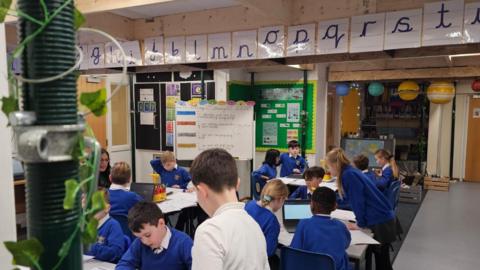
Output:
x=350 y=112
x=98 y=124
x=119 y=105
x=472 y=170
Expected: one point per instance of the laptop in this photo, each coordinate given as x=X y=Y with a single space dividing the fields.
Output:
x=145 y=190
x=293 y=212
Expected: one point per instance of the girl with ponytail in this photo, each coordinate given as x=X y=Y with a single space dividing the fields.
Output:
x=370 y=206
x=389 y=167
x=272 y=198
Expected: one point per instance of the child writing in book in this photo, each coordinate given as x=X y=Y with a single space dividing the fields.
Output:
x=230 y=238
x=292 y=162
x=389 y=172
x=268 y=170
x=313 y=177
x=110 y=244
x=157 y=246
x=321 y=233
x=272 y=198
x=170 y=173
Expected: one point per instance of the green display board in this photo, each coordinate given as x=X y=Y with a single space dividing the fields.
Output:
x=278 y=112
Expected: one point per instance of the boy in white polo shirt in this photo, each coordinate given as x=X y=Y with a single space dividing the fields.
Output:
x=230 y=239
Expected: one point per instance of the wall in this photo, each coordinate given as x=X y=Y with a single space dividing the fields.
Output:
x=7 y=201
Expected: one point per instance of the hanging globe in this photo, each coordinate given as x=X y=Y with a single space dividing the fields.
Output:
x=375 y=89
x=440 y=92
x=408 y=90
x=342 y=89
x=476 y=85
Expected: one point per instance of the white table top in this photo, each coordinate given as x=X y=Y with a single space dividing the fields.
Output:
x=92 y=264
x=301 y=182
x=178 y=200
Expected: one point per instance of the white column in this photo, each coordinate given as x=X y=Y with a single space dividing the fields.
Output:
x=321 y=116
x=221 y=78
x=439 y=134
x=7 y=201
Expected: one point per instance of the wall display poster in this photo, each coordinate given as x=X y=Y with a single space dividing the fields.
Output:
x=172 y=95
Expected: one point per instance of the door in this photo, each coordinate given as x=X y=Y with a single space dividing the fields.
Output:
x=118 y=120
x=472 y=170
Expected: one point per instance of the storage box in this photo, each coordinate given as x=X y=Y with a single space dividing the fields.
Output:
x=436 y=183
x=412 y=194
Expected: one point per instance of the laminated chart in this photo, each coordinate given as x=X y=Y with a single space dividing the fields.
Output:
x=203 y=126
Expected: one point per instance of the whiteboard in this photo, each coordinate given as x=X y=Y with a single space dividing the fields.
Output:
x=201 y=127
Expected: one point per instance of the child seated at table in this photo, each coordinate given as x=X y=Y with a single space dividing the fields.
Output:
x=121 y=198
x=313 y=177
x=361 y=162
x=157 y=246
x=170 y=173
x=321 y=233
x=292 y=162
x=268 y=170
x=111 y=243
x=272 y=198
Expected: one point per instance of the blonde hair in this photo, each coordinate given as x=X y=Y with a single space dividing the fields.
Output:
x=274 y=189
x=382 y=153
x=120 y=173
x=338 y=157
x=167 y=156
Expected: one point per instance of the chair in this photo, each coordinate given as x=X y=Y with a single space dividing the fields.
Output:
x=255 y=188
x=393 y=194
x=294 y=259
x=123 y=220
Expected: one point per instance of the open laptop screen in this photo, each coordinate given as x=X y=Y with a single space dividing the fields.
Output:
x=296 y=210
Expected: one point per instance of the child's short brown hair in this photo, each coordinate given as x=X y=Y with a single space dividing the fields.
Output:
x=361 y=162
x=143 y=213
x=314 y=172
x=216 y=168
x=167 y=156
x=120 y=173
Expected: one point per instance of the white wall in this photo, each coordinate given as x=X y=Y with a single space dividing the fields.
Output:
x=7 y=201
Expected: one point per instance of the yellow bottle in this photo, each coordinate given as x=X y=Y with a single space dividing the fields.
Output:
x=159 y=191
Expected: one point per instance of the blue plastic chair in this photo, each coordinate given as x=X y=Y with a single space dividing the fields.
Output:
x=393 y=194
x=255 y=189
x=123 y=220
x=294 y=259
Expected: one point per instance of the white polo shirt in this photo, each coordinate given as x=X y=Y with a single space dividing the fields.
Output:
x=231 y=240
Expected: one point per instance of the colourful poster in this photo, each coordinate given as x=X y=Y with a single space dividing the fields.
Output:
x=270 y=133
x=196 y=90
x=173 y=89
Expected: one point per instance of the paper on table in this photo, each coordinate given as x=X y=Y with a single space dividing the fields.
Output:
x=98 y=265
x=87 y=257
x=331 y=185
x=359 y=237
x=287 y=180
x=343 y=215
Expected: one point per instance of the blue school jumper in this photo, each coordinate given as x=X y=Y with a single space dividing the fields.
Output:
x=342 y=202
x=384 y=181
x=268 y=223
x=121 y=201
x=178 y=255
x=289 y=163
x=301 y=193
x=368 y=203
x=371 y=175
x=322 y=234
x=265 y=170
x=177 y=176
x=110 y=244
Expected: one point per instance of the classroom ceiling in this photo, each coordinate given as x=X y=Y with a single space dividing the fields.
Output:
x=172 y=7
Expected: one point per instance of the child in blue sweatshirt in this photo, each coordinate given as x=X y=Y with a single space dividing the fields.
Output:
x=121 y=198
x=110 y=244
x=321 y=233
x=389 y=171
x=268 y=170
x=157 y=246
x=372 y=209
x=313 y=177
x=292 y=162
x=170 y=173
x=272 y=198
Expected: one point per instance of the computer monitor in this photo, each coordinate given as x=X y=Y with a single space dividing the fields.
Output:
x=145 y=190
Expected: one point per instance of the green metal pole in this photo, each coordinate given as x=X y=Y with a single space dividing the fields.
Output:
x=54 y=103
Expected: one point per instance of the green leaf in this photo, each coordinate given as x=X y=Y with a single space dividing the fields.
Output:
x=90 y=233
x=77 y=152
x=95 y=101
x=71 y=190
x=9 y=104
x=84 y=171
x=4 y=7
x=98 y=201
x=79 y=19
x=26 y=252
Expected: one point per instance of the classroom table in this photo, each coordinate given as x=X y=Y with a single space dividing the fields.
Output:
x=92 y=264
x=357 y=249
x=301 y=182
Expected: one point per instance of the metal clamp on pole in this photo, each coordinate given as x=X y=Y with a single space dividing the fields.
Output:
x=44 y=143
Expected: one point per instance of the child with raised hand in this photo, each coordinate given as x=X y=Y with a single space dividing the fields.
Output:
x=268 y=170
x=292 y=162
x=313 y=177
x=157 y=246
x=321 y=233
x=272 y=198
